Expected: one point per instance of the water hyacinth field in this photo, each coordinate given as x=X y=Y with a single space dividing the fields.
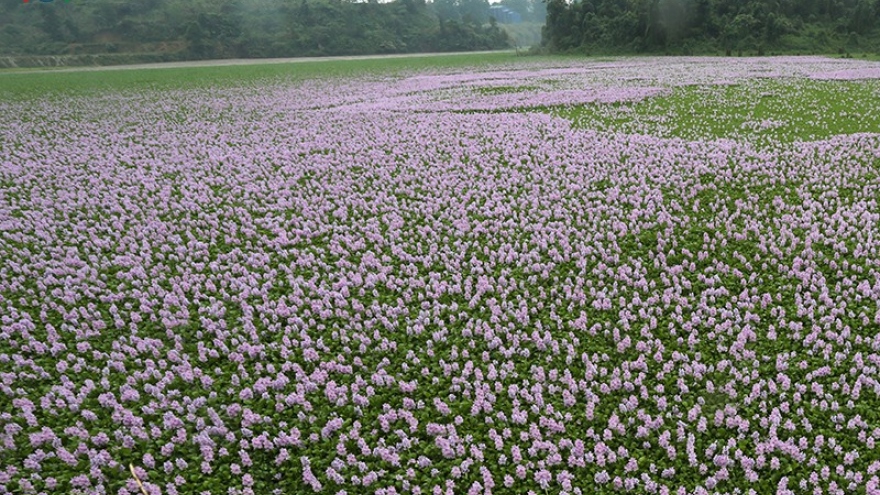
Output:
x=536 y=276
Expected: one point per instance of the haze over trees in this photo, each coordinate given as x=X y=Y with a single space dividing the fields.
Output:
x=702 y=26
x=247 y=28
x=108 y=31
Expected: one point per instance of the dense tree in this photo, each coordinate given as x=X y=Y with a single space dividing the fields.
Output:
x=747 y=25
x=246 y=28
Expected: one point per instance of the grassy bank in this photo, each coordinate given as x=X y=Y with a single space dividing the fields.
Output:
x=17 y=83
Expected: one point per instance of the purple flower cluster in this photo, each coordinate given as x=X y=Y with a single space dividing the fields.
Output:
x=349 y=286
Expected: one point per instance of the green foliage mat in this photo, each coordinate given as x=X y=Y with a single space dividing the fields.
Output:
x=763 y=111
x=38 y=84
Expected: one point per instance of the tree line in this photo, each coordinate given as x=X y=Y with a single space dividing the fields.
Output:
x=247 y=28
x=700 y=26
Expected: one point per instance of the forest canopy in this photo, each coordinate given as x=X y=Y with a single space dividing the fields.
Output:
x=248 y=28
x=702 y=26
x=197 y=29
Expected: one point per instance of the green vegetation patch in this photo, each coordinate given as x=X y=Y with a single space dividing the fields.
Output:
x=40 y=83
x=500 y=90
x=761 y=111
